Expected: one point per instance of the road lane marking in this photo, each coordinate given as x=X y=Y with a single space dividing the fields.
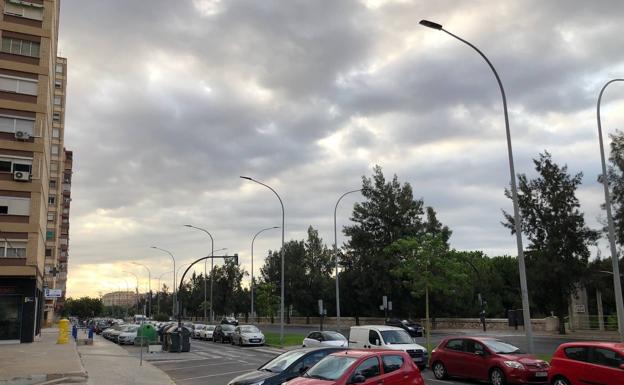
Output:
x=212 y=375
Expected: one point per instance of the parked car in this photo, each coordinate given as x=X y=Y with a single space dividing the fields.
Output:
x=487 y=359
x=387 y=337
x=247 y=335
x=107 y=333
x=284 y=367
x=325 y=338
x=223 y=333
x=229 y=321
x=582 y=363
x=114 y=335
x=197 y=330
x=412 y=328
x=128 y=336
x=206 y=333
x=363 y=366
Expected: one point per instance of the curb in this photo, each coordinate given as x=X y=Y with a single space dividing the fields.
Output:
x=47 y=379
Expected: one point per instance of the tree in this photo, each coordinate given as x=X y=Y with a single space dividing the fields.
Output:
x=268 y=300
x=615 y=179
x=389 y=213
x=85 y=307
x=318 y=268
x=558 y=251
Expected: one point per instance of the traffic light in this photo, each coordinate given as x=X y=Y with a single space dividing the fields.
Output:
x=235 y=258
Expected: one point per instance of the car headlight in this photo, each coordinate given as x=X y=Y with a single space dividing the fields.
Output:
x=514 y=364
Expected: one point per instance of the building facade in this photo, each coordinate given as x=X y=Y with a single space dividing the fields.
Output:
x=124 y=299
x=28 y=62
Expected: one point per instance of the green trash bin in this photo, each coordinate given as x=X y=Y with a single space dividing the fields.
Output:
x=146 y=335
x=178 y=342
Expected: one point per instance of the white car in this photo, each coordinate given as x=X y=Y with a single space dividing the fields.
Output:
x=197 y=328
x=206 y=333
x=388 y=337
x=128 y=336
x=326 y=338
x=247 y=335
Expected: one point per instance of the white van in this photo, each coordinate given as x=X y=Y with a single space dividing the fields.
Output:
x=387 y=337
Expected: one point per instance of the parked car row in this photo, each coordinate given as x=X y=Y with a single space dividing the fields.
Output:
x=121 y=333
x=228 y=333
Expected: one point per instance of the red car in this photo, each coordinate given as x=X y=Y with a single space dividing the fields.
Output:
x=365 y=367
x=585 y=363
x=486 y=359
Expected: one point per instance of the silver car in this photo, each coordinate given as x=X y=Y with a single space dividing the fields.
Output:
x=247 y=335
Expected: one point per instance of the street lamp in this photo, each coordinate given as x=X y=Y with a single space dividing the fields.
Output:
x=617 y=285
x=336 y=258
x=514 y=193
x=149 y=285
x=173 y=312
x=252 y=266
x=282 y=256
x=211 y=271
x=158 y=291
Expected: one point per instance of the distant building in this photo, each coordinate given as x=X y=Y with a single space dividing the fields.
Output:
x=120 y=298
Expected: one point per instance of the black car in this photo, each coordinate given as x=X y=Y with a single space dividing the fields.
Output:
x=229 y=321
x=414 y=329
x=284 y=367
x=223 y=333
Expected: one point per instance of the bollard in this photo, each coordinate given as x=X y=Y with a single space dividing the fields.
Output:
x=63 y=337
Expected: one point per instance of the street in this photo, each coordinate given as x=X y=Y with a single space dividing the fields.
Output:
x=216 y=364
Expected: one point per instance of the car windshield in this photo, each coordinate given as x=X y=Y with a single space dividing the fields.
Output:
x=396 y=337
x=281 y=362
x=249 y=329
x=228 y=328
x=334 y=336
x=330 y=368
x=500 y=347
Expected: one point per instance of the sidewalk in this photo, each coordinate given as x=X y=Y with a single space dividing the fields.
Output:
x=39 y=361
x=110 y=364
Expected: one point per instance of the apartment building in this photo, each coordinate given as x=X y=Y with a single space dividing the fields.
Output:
x=125 y=299
x=28 y=93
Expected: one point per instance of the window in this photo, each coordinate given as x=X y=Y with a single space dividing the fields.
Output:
x=24 y=9
x=56 y=116
x=18 y=85
x=52 y=199
x=55 y=149
x=52 y=183
x=22 y=167
x=49 y=234
x=4 y=210
x=606 y=357
x=373 y=337
x=369 y=368
x=51 y=217
x=53 y=166
x=58 y=84
x=48 y=252
x=12 y=249
x=11 y=124
x=8 y=164
x=57 y=100
x=56 y=133
x=457 y=345
x=576 y=353
x=16 y=205
x=473 y=346
x=59 y=68
x=20 y=47
x=391 y=363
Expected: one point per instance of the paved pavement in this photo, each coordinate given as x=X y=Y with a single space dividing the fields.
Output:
x=39 y=361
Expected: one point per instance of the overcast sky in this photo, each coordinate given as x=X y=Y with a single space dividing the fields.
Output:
x=170 y=101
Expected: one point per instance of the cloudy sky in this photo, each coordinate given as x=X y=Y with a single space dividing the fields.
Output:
x=170 y=101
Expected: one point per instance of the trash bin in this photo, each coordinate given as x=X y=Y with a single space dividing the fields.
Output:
x=146 y=335
x=165 y=337
x=178 y=341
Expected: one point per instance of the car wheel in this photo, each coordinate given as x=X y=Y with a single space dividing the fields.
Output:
x=560 y=381
x=439 y=370
x=497 y=377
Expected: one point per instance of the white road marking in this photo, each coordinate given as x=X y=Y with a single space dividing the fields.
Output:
x=211 y=375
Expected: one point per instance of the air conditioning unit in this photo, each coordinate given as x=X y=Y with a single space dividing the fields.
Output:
x=22 y=135
x=23 y=176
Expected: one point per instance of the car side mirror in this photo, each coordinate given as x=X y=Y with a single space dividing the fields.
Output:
x=357 y=379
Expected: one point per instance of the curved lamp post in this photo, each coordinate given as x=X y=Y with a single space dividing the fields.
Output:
x=211 y=270
x=252 y=266
x=617 y=285
x=336 y=258
x=175 y=297
x=514 y=192
x=282 y=256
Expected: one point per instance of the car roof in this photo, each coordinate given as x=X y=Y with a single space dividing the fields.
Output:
x=377 y=327
x=366 y=352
